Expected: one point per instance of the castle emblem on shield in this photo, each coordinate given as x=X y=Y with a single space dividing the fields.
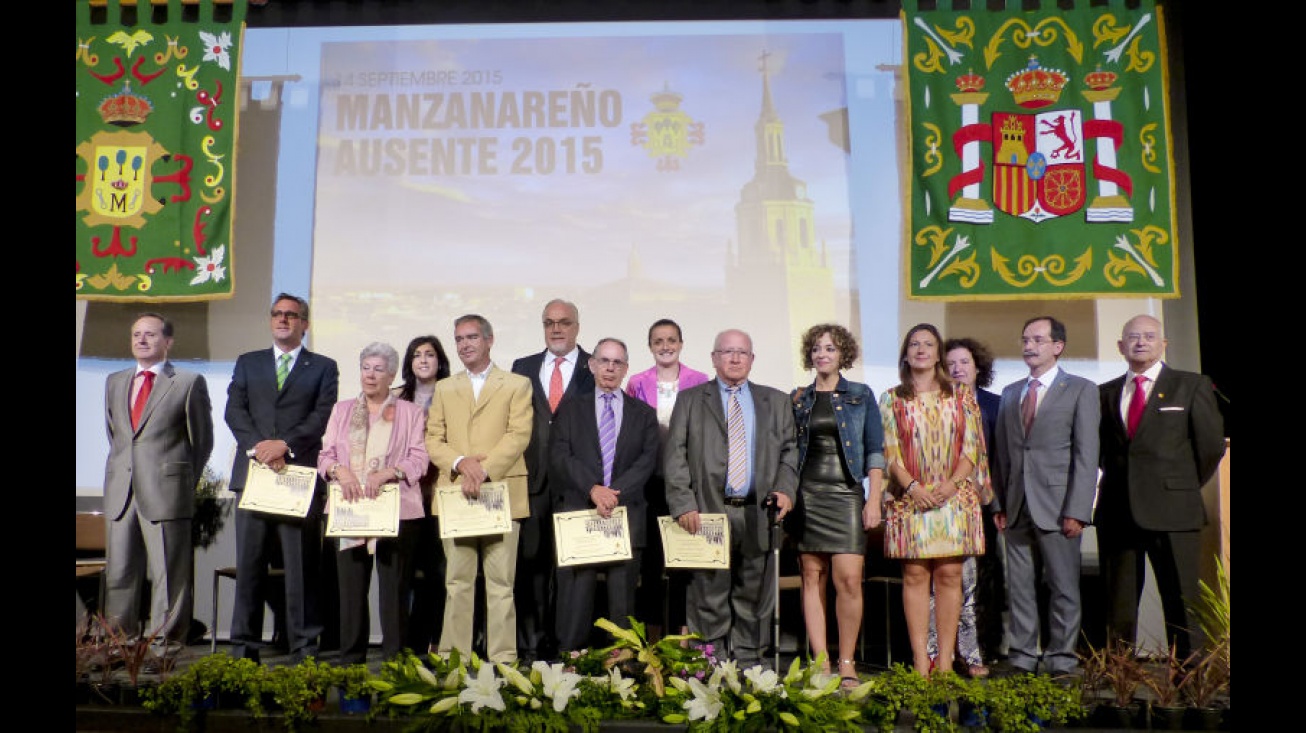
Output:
x=1039 y=156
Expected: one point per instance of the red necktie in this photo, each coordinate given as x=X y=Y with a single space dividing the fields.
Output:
x=1028 y=405
x=1136 y=405
x=555 y=384
x=142 y=396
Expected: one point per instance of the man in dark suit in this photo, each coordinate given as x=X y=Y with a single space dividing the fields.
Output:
x=160 y=427
x=558 y=373
x=1162 y=438
x=580 y=480
x=1044 y=476
x=278 y=404
x=732 y=609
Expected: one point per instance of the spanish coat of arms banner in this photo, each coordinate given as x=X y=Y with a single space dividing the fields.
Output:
x=157 y=103
x=1040 y=157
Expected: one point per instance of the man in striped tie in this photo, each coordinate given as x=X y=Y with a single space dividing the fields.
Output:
x=732 y=449
x=604 y=449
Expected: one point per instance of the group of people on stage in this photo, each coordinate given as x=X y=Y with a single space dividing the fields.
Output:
x=943 y=467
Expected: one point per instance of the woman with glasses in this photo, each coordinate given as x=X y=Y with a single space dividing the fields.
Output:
x=658 y=387
x=934 y=449
x=840 y=444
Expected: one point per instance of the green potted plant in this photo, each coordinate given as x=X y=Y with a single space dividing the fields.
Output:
x=353 y=682
x=300 y=690
x=205 y=684
x=210 y=511
x=895 y=691
x=1211 y=610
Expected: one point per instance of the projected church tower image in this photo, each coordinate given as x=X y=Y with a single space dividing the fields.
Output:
x=777 y=258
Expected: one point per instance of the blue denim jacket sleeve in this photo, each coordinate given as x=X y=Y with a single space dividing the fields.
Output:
x=859 y=425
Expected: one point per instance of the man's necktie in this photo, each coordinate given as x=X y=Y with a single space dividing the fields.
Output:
x=283 y=368
x=555 y=384
x=142 y=396
x=1136 y=404
x=608 y=436
x=737 y=471
x=1028 y=405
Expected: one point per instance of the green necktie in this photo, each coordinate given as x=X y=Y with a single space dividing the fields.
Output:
x=283 y=368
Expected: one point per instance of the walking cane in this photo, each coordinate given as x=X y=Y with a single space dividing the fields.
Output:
x=773 y=518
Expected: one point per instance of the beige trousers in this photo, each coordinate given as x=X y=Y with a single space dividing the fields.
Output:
x=500 y=559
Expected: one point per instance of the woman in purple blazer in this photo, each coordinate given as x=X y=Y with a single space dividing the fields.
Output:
x=658 y=387
x=372 y=440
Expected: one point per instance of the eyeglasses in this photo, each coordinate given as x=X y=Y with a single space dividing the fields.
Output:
x=729 y=353
x=288 y=315
x=1036 y=340
x=614 y=363
x=1134 y=338
x=565 y=323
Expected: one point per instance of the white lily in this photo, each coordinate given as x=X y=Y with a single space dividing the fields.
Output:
x=706 y=704
x=482 y=690
x=764 y=681
x=622 y=687
x=558 y=685
x=729 y=672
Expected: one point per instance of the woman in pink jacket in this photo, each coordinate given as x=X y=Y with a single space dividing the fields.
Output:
x=658 y=387
x=372 y=440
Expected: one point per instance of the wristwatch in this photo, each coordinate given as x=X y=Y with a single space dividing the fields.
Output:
x=399 y=473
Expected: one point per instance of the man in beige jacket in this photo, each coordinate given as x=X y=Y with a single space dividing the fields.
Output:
x=477 y=430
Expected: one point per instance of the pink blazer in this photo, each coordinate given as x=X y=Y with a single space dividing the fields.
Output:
x=644 y=386
x=407 y=450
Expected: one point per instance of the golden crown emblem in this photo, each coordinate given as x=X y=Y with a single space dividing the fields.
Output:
x=125 y=109
x=1036 y=86
x=666 y=100
x=1099 y=80
x=970 y=82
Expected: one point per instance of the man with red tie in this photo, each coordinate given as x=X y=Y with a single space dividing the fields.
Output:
x=160 y=427
x=1161 y=440
x=558 y=373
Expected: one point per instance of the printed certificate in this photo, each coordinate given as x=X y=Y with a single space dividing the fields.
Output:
x=377 y=517
x=709 y=549
x=488 y=513
x=583 y=537
x=289 y=492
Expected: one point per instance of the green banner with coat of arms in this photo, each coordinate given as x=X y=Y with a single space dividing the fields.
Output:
x=157 y=103
x=1041 y=161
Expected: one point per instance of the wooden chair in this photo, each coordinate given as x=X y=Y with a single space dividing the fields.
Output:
x=92 y=544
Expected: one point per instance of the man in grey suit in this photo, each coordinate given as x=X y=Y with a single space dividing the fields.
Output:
x=734 y=605
x=1162 y=439
x=1045 y=475
x=160 y=430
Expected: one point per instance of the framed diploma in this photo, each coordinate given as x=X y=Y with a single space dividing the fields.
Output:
x=289 y=492
x=377 y=517
x=488 y=513
x=709 y=549
x=584 y=537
